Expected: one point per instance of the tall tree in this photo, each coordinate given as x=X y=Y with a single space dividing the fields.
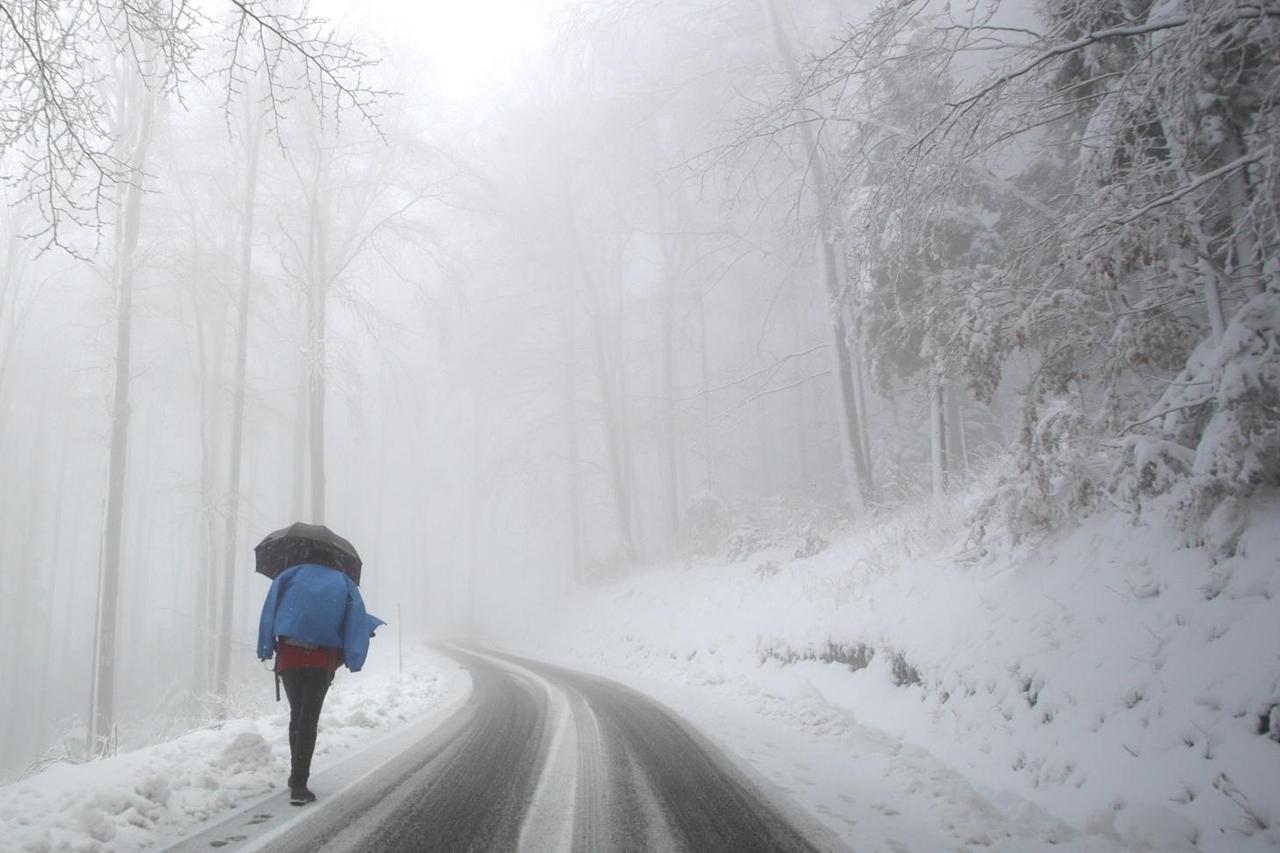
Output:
x=573 y=441
x=15 y=223
x=135 y=116
x=355 y=193
x=253 y=129
x=852 y=421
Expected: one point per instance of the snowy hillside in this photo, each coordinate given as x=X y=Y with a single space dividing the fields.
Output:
x=1112 y=676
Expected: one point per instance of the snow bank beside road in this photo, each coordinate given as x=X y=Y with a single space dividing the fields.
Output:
x=1108 y=676
x=129 y=801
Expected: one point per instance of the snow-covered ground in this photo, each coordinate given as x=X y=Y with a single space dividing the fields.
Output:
x=1110 y=688
x=137 y=799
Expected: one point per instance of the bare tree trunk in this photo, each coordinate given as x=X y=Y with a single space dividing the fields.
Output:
x=960 y=430
x=317 y=292
x=688 y=217
x=475 y=500
x=298 y=480
x=669 y=438
x=672 y=248
x=237 y=414
x=1248 y=268
x=850 y=443
x=210 y=326
x=57 y=595
x=11 y=276
x=24 y=595
x=606 y=375
x=938 y=434
x=801 y=417
x=615 y=440
x=861 y=416
x=12 y=268
x=635 y=532
x=205 y=600
x=864 y=419
x=1196 y=256
x=138 y=107
x=856 y=473
x=705 y=373
x=572 y=463
x=56 y=556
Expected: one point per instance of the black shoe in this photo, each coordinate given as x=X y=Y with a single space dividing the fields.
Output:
x=301 y=795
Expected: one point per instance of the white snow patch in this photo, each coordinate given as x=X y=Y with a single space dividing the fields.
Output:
x=134 y=800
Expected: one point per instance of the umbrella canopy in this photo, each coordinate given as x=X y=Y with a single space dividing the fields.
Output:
x=306 y=543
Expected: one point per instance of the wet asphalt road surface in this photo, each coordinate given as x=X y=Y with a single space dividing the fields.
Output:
x=647 y=781
x=627 y=773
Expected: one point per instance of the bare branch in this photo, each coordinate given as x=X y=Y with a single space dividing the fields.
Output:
x=58 y=146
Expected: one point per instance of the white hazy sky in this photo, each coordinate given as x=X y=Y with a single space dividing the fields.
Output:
x=472 y=43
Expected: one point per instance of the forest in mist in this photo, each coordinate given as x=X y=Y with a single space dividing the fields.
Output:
x=520 y=308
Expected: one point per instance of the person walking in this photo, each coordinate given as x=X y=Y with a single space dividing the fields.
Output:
x=313 y=621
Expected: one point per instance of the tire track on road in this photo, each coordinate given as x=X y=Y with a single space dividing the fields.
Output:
x=647 y=781
x=615 y=770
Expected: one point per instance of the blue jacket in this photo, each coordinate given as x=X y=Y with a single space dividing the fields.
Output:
x=316 y=604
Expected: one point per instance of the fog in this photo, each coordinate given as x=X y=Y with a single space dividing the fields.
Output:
x=549 y=335
x=547 y=294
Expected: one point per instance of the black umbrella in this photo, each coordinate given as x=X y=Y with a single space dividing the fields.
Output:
x=306 y=543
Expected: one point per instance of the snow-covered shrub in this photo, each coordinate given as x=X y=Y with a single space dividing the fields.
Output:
x=855 y=656
x=1216 y=433
x=799 y=524
x=767 y=569
x=904 y=674
x=1058 y=475
x=705 y=524
x=811 y=544
x=746 y=540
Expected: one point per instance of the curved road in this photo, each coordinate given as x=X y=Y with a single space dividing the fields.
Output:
x=538 y=758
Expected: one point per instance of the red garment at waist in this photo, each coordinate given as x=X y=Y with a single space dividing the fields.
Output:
x=290 y=656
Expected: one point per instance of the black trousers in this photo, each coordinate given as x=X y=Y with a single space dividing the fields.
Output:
x=306 y=688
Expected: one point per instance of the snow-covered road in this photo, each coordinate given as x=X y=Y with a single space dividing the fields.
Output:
x=537 y=758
